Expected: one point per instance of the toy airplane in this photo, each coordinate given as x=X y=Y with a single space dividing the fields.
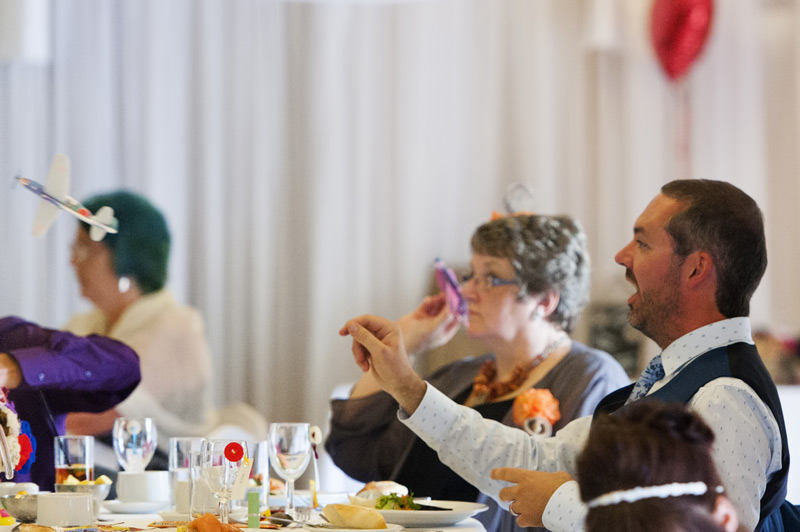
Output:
x=54 y=196
x=451 y=289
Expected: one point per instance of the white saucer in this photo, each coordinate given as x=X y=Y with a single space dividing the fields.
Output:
x=172 y=515
x=119 y=507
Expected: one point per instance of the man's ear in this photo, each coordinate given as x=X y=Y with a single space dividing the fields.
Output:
x=724 y=514
x=698 y=268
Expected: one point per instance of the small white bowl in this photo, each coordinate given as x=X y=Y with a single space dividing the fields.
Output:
x=12 y=488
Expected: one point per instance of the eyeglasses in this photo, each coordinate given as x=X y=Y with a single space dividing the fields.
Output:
x=486 y=282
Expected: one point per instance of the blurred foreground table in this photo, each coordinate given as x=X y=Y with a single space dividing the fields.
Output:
x=303 y=498
x=143 y=520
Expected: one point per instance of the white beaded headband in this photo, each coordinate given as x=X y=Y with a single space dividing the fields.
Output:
x=676 y=489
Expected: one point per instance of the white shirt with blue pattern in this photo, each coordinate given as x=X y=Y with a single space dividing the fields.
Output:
x=747 y=446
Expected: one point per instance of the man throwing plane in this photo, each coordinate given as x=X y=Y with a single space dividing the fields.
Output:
x=697 y=255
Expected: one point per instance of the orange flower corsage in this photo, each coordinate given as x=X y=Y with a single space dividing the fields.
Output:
x=535 y=403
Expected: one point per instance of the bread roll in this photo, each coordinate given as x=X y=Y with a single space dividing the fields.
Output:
x=350 y=516
x=369 y=494
x=380 y=488
x=31 y=527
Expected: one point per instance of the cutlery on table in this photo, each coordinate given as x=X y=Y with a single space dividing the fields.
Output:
x=300 y=523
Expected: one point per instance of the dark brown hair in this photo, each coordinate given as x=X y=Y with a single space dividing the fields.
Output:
x=725 y=222
x=649 y=443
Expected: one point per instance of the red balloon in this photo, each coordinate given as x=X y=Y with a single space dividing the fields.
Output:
x=679 y=29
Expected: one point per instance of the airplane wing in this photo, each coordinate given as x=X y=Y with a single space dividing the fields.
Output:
x=57 y=186
x=46 y=213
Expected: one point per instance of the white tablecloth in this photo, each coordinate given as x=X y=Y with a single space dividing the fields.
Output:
x=303 y=498
x=143 y=520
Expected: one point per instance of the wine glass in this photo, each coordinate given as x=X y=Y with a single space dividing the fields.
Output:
x=221 y=461
x=135 y=442
x=289 y=453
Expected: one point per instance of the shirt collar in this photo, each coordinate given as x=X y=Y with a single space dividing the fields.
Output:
x=702 y=340
x=141 y=312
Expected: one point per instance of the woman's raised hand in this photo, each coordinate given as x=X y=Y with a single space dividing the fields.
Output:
x=429 y=326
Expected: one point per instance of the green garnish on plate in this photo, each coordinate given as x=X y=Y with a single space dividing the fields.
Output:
x=393 y=501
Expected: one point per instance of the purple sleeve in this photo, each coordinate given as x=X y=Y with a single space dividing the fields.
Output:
x=89 y=374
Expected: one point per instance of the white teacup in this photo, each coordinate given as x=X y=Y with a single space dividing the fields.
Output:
x=144 y=486
x=66 y=509
x=183 y=494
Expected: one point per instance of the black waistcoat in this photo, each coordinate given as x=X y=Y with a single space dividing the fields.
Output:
x=740 y=361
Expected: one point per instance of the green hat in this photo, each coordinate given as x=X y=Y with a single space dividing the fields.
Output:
x=140 y=249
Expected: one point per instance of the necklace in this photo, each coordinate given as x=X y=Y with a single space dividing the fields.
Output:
x=485 y=388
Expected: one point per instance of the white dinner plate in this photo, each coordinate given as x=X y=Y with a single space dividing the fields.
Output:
x=119 y=507
x=389 y=528
x=457 y=511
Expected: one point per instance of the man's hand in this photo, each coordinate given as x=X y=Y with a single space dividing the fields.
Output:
x=531 y=492
x=378 y=346
x=429 y=326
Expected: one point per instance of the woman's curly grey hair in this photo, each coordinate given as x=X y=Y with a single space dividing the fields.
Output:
x=548 y=253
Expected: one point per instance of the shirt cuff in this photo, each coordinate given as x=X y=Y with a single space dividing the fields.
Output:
x=565 y=511
x=434 y=417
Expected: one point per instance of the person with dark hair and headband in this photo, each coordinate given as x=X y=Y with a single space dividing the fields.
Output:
x=528 y=285
x=649 y=468
x=124 y=276
x=697 y=255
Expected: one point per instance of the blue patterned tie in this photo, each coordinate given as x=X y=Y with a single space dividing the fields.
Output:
x=653 y=372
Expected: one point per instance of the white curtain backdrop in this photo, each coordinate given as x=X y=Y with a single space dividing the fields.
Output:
x=314 y=158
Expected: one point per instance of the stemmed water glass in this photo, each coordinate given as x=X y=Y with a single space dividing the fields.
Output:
x=135 y=442
x=289 y=453
x=221 y=462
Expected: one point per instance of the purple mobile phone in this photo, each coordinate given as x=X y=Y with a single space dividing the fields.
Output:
x=448 y=284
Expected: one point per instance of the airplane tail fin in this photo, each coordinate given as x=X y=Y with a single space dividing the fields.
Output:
x=105 y=217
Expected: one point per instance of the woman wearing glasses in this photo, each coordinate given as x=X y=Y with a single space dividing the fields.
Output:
x=528 y=286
